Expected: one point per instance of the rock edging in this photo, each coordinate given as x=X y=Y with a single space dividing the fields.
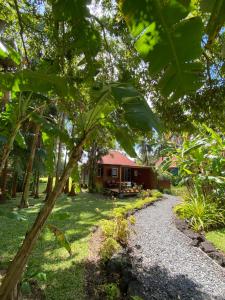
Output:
x=199 y=240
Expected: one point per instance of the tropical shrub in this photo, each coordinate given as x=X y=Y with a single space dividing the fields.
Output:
x=109 y=247
x=201 y=163
x=201 y=212
x=145 y=193
x=116 y=231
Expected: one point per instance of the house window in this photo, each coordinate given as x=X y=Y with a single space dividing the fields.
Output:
x=136 y=173
x=114 y=172
x=100 y=171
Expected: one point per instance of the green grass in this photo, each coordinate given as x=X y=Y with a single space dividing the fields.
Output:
x=65 y=274
x=179 y=191
x=217 y=237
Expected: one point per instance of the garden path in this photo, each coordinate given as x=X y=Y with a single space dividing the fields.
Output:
x=166 y=264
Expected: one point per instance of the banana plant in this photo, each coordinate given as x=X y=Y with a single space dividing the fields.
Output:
x=110 y=99
x=167 y=36
x=200 y=160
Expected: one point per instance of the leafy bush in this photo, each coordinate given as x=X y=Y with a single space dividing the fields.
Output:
x=108 y=228
x=109 y=247
x=116 y=231
x=122 y=230
x=145 y=193
x=112 y=291
x=201 y=213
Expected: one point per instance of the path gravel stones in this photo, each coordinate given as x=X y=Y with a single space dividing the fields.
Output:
x=165 y=263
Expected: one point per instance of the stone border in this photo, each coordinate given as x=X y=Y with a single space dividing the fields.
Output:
x=199 y=240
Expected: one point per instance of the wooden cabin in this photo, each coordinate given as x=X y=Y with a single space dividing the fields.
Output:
x=120 y=174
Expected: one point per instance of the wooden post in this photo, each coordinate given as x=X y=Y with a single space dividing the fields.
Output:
x=120 y=178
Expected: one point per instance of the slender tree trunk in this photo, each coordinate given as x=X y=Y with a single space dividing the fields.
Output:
x=67 y=186
x=14 y=185
x=49 y=187
x=8 y=147
x=4 y=182
x=33 y=184
x=49 y=183
x=17 y=266
x=5 y=99
x=24 y=200
x=59 y=152
x=72 y=192
x=36 y=193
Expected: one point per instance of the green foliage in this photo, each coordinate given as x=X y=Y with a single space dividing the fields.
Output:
x=132 y=220
x=137 y=112
x=169 y=40
x=201 y=212
x=29 y=276
x=109 y=247
x=111 y=290
x=217 y=237
x=7 y=51
x=36 y=81
x=117 y=231
x=60 y=238
x=216 y=20
x=201 y=161
x=145 y=193
x=66 y=272
x=136 y=298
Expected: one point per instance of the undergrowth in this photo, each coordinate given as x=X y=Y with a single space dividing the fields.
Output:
x=116 y=231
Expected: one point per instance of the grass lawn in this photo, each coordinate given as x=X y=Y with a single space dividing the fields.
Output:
x=217 y=237
x=65 y=274
x=179 y=191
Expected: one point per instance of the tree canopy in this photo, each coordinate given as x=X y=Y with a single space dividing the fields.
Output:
x=71 y=71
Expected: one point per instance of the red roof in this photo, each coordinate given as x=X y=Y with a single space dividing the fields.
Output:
x=117 y=158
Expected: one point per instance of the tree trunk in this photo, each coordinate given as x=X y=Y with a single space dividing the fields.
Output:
x=4 y=182
x=72 y=192
x=17 y=266
x=24 y=200
x=67 y=186
x=8 y=147
x=59 y=153
x=5 y=99
x=36 y=193
x=49 y=187
x=33 y=184
x=14 y=185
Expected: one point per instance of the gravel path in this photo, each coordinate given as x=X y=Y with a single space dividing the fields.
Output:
x=165 y=262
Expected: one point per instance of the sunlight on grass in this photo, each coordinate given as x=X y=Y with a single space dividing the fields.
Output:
x=217 y=237
x=65 y=274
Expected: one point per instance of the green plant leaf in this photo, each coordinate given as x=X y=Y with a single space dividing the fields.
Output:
x=169 y=41
x=38 y=82
x=216 y=20
x=125 y=139
x=60 y=238
x=137 y=112
x=20 y=140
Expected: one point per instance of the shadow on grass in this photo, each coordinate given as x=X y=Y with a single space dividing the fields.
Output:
x=64 y=274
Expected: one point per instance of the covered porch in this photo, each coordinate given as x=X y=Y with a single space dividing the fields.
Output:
x=125 y=180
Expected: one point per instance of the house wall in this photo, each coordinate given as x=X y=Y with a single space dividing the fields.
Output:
x=145 y=176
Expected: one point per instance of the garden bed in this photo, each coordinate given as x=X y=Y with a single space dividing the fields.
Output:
x=110 y=263
x=200 y=240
